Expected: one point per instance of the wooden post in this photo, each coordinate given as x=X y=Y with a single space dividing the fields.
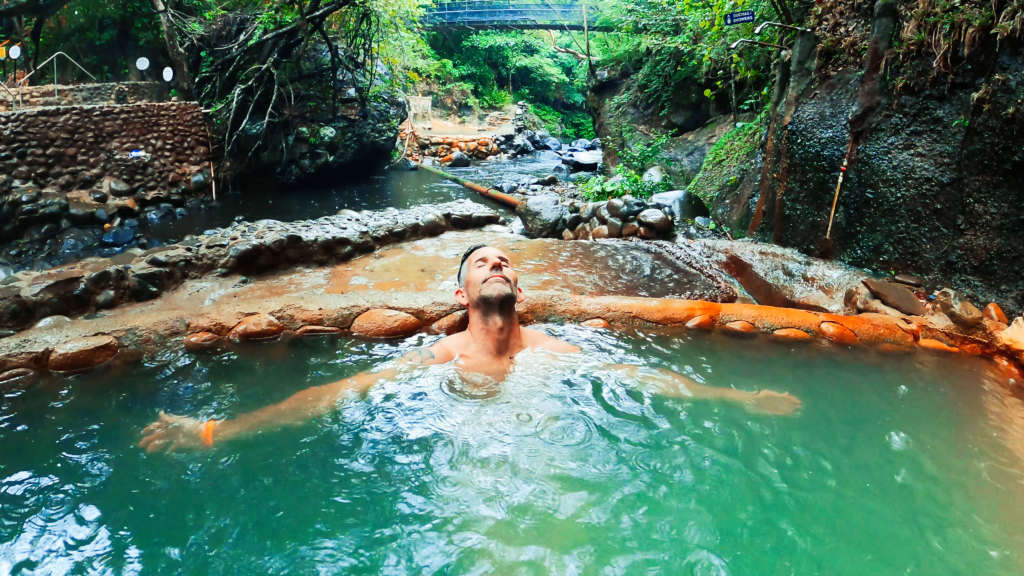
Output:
x=586 y=38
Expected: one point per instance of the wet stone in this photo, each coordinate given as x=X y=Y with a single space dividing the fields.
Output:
x=994 y=313
x=383 y=323
x=655 y=219
x=256 y=327
x=82 y=353
x=909 y=280
x=896 y=296
x=105 y=299
x=958 y=308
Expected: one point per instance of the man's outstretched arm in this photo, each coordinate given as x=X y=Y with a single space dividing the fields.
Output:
x=172 y=432
x=672 y=384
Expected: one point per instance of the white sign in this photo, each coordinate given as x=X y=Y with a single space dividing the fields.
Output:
x=15 y=52
x=168 y=74
x=142 y=63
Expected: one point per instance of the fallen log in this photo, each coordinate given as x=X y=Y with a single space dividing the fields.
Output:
x=491 y=193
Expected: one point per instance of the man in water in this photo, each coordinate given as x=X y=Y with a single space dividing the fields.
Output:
x=489 y=291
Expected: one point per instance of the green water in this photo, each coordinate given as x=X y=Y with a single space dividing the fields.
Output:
x=891 y=467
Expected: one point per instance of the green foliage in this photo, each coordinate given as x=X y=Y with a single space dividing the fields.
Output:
x=685 y=43
x=625 y=181
x=567 y=125
x=727 y=158
x=498 y=68
x=634 y=159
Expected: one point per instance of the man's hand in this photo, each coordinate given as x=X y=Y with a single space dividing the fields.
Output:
x=772 y=403
x=172 y=433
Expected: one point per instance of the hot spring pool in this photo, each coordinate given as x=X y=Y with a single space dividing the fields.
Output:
x=893 y=466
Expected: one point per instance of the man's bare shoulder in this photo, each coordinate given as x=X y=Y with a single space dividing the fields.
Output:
x=535 y=339
x=440 y=352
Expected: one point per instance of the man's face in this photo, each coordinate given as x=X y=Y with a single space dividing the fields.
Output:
x=489 y=279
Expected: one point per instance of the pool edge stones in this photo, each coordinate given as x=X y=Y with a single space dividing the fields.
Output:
x=385 y=323
x=701 y=322
x=201 y=341
x=838 y=333
x=791 y=334
x=311 y=330
x=451 y=324
x=256 y=327
x=82 y=353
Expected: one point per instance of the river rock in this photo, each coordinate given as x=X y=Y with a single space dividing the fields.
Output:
x=582 y=143
x=647 y=233
x=581 y=161
x=684 y=205
x=630 y=229
x=317 y=331
x=1011 y=340
x=838 y=333
x=599 y=232
x=614 y=227
x=451 y=324
x=119 y=188
x=82 y=353
x=957 y=308
x=994 y=313
x=458 y=160
x=595 y=144
x=897 y=296
x=791 y=334
x=201 y=341
x=552 y=144
x=740 y=327
x=256 y=327
x=655 y=219
x=541 y=215
x=909 y=280
x=654 y=174
x=384 y=323
x=118 y=236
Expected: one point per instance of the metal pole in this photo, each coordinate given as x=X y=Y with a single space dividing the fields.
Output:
x=54 y=78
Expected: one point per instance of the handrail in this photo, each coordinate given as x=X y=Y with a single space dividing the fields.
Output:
x=27 y=76
x=14 y=103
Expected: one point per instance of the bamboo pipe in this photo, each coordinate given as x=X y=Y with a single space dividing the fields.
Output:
x=506 y=199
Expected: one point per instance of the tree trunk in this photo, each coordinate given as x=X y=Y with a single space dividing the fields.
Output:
x=174 y=50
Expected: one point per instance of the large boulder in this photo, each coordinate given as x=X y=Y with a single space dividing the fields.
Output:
x=581 y=161
x=459 y=160
x=684 y=205
x=541 y=215
x=552 y=144
x=783 y=277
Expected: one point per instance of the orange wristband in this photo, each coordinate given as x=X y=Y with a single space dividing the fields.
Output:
x=207 y=433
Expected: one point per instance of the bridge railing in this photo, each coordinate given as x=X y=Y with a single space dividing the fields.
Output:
x=506 y=12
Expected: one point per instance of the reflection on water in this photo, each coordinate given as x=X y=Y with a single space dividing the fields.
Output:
x=391 y=189
x=564 y=469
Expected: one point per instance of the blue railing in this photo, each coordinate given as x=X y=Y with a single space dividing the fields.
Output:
x=512 y=14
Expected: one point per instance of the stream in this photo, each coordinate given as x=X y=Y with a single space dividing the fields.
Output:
x=268 y=200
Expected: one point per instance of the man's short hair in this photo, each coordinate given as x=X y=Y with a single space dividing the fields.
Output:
x=465 y=258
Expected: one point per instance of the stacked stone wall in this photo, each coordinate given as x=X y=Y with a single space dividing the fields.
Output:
x=83 y=94
x=57 y=159
x=443 y=147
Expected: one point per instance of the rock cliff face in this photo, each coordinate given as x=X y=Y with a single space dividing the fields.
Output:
x=317 y=147
x=935 y=155
x=933 y=184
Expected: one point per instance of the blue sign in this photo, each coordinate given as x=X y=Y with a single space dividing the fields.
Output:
x=739 y=17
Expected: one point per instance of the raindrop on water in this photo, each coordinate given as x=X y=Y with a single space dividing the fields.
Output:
x=898 y=440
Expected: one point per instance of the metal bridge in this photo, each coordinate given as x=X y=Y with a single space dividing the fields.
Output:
x=514 y=15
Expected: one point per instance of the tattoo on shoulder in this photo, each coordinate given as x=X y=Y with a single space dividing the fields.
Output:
x=419 y=356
